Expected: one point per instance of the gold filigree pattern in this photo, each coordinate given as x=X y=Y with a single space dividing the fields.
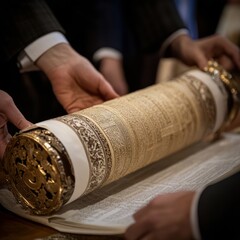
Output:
x=38 y=171
x=96 y=148
x=118 y=135
x=232 y=85
x=205 y=100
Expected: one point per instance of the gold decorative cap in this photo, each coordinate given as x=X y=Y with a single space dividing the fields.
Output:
x=38 y=171
x=231 y=82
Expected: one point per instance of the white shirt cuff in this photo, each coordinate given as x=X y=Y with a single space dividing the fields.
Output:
x=194 y=215
x=34 y=50
x=170 y=39
x=106 y=52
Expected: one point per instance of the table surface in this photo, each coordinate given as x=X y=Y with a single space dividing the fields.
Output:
x=13 y=227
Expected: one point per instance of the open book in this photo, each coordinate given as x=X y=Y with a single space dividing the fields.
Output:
x=109 y=210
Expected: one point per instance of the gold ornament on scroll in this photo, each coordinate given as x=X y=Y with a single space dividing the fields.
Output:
x=119 y=137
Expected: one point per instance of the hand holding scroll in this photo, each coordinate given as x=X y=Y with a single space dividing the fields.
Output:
x=200 y=51
x=9 y=112
x=76 y=84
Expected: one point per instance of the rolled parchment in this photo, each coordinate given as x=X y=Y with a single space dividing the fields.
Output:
x=59 y=160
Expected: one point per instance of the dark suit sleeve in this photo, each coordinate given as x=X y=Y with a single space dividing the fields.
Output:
x=22 y=22
x=106 y=25
x=149 y=22
x=153 y=21
x=219 y=209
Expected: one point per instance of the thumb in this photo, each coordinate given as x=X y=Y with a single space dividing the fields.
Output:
x=10 y=112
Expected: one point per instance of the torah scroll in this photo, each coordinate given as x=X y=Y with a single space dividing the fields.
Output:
x=59 y=160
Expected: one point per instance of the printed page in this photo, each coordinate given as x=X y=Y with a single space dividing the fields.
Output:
x=115 y=204
x=109 y=210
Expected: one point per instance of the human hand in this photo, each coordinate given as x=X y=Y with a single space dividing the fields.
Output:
x=9 y=112
x=166 y=217
x=112 y=70
x=199 y=52
x=75 y=82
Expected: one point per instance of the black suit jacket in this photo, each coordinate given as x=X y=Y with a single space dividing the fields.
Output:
x=22 y=22
x=150 y=22
x=136 y=28
x=219 y=210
